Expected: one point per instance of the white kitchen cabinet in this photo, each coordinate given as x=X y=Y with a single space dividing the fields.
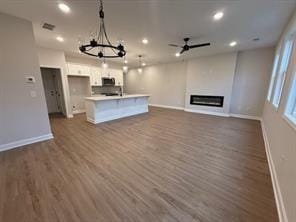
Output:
x=78 y=70
x=118 y=75
x=96 y=76
x=106 y=73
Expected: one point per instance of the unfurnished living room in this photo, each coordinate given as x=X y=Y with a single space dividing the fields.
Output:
x=147 y=111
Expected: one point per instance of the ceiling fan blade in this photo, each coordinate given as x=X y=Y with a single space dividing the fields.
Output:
x=199 y=45
x=173 y=45
x=183 y=50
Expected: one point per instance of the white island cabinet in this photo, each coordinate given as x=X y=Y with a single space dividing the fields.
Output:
x=105 y=108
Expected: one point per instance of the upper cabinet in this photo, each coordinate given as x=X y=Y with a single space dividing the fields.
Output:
x=96 y=76
x=106 y=73
x=117 y=74
x=78 y=70
x=95 y=73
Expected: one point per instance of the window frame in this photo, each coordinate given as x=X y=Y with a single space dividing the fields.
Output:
x=281 y=72
x=273 y=76
x=290 y=109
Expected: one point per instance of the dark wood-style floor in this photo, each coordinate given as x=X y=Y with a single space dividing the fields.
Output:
x=166 y=166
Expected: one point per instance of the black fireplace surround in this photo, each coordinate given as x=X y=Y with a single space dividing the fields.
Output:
x=203 y=100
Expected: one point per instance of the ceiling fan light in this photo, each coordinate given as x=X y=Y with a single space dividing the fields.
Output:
x=177 y=54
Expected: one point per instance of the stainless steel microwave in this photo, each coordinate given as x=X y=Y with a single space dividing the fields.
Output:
x=108 y=81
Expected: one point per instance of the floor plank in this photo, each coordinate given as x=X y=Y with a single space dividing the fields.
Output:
x=166 y=166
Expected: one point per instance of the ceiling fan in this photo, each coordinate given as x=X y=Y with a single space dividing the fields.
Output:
x=186 y=47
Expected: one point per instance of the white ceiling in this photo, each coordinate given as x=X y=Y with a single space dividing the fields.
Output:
x=161 y=21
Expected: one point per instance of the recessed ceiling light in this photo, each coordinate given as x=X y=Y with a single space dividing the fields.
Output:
x=145 y=41
x=177 y=54
x=218 y=16
x=143 y=64
x=140 y=70
x=125 y=68
x=232 y=44
x=64 y=8
x=60 y=39
x=125 y=61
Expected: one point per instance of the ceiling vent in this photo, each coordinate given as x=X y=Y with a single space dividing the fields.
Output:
x=48 y=26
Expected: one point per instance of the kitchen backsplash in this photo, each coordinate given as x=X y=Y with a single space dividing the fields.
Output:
x=105 y=89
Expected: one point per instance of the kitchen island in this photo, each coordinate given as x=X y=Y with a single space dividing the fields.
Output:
x=105 y=108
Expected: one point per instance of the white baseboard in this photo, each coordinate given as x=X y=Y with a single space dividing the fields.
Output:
x=24 y=142
x=168 y=107
x=79 y=111
x=275 y=184
x=207 y=112
x=245 y=116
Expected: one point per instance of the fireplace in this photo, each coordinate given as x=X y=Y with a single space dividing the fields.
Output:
x=203 y=100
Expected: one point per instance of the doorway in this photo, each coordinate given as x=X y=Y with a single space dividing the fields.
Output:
x=53 y=89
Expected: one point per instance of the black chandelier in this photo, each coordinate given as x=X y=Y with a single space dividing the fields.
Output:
x=97 y=46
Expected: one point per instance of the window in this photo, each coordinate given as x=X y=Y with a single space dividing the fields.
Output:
x=273 y=75
x=281 y=75
x=290 y=111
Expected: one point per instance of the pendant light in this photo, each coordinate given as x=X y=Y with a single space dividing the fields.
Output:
x=140 y=70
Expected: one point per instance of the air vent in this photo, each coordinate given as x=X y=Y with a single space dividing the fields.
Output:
x=48 y=26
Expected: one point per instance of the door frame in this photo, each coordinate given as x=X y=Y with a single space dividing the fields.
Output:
x=65 y=88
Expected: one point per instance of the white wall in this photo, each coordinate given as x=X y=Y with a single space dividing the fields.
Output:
x=211 y=75
x=251 y=81
x=56 y=59
x=23 y=118
x=79 y=88
x=165 y=83
x=242 y=78
x=282 y=138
